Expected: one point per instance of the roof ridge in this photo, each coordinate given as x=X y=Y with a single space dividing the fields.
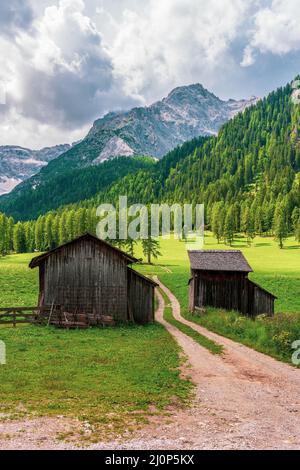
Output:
x=219 y=260
x=35 y=261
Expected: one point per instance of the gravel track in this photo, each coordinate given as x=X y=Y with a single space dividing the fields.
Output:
x=243 y=400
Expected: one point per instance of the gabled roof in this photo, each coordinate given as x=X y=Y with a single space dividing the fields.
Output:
x=143 y=277
x=87 y=236
x=219 y=260
x=263 y=289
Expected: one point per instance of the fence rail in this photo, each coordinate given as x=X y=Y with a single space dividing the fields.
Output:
x=16 y=315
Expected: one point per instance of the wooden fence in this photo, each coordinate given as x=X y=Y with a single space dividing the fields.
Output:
x=14 y=315
x=52 y=315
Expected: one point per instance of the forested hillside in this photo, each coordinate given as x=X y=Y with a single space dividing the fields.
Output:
x=187 y=112
x=247 y=177
x=69 y=187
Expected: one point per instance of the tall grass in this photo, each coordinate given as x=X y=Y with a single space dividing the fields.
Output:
x=270 y=335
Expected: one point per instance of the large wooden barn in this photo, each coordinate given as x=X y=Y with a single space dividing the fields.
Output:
x=220 y=279
x=90 y=277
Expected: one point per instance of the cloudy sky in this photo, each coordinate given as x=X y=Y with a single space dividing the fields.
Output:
x=64 y=63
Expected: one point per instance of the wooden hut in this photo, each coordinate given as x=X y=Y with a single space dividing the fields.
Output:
x=220 y=279
x=89 y=277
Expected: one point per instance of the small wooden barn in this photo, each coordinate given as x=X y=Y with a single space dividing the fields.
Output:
x=220 y=279
x=90 y=277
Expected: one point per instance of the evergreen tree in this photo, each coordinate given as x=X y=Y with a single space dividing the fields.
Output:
x=39 y=234
x=129 y=246
x=150 y=248
x=49 y=238
x=217 y=220
x=2 y=235
x=258 y=223
x=280 y=224
x=19 y=241
x=297 y=230
x=295 y=218
x=62 y=229
x=229 y=226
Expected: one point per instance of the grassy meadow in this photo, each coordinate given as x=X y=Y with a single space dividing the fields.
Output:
x=274 y=269
x=113 y=377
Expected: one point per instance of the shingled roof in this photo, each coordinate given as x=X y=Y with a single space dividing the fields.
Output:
x=86 y=236
x=219 y=260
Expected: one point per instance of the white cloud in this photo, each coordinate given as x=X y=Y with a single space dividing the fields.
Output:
x=276 y=30
x=248 y=57
x=14 y=15
x=16 y=129
x=58 y=73
x=64 y=63
x=172 y=42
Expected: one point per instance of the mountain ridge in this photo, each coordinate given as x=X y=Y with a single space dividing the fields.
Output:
x=20 y=163
x=186 y=113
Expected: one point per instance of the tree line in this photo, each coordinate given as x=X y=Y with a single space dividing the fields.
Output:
x=248 y=177
x=55 y=229
x=225 y=221
x=253 y=220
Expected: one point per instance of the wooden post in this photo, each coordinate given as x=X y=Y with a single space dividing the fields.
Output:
x=50 y=315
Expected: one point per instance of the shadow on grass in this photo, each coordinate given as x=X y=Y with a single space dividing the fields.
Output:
x=262 y=244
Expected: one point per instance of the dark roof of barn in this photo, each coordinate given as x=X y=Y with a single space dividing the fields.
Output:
x=87 y=236
x=219 y=260
x=144 y=278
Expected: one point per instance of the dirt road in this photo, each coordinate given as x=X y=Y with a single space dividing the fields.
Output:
x=243 y=400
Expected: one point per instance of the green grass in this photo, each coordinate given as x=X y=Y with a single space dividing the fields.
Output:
x=276 y=270
x=272 y=336
x=200 y=339
x=18 y=283
x=108 y=377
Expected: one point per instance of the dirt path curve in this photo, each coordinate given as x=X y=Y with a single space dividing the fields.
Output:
x=244 y=399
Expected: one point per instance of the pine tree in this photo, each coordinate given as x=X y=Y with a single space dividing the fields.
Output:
x=29 y=236
x=229 y=226
x=62 y=230
x=70 y=225
x=217 y=221
x=49 y=239
x=150 y=248
x=19 y=241
x=2 y=234
x=295 y=218
x=297 y=230
x=39 y=234
x=129 y=245
x=280 y=224
x=258 y=223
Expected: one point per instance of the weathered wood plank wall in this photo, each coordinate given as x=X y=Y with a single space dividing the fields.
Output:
x=140 y=298
x=83 y=276
x=231 y=291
